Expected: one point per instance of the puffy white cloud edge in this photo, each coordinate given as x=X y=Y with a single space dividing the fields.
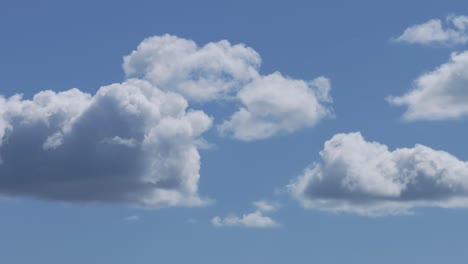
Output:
x=366 y=178
x=454 y=31
x=439 y=94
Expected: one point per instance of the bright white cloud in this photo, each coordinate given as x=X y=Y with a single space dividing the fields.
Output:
x=275 y=104
x=440 y=94
x=363 y=177
x=130 y=142
x=253 y=220
x=271 y=104
x=199 y=73
x=435 y=32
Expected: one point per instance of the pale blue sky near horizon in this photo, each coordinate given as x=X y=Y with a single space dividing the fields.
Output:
x=60 y=45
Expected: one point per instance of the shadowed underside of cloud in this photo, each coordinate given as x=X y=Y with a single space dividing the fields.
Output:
x=131 y=143
x=270 y=105
x=362 y=177
x=455 y=31
x=440 y=94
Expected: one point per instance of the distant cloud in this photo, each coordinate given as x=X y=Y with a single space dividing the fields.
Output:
x=362 y=177
x=132 y=218
x=130 y=143
x=455 y=31
x=253 y=220
x=266 y=206
x=439 y=94
x=270 y=105
x=257 y=219
x=275 y=105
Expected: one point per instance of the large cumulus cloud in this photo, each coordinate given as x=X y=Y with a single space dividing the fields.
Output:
x=365 y=177
x=130 y=142
x=268 y=104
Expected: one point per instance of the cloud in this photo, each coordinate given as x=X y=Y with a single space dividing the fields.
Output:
x=455 y=31
x=257 y=219
x=440 y=94
x=130 y=143
x=132 y=218
x=362 y=177
x=266 y=206
x=252 y=220
x=198 y=73
x=275 y=105
x=270 y=105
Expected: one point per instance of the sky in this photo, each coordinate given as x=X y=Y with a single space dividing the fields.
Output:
x=233 y=132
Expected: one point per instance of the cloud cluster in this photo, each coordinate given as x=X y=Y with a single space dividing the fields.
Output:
x=198 y=73
x=270 y=105
x=363 y=177
x=257 y=219
x=130 y=143
x=433 y=31
x=440 y=94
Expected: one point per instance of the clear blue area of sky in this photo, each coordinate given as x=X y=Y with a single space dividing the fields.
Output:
x=59 y=45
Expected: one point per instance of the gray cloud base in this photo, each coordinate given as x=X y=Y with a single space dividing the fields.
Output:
x=362 y=177
x=128 y=143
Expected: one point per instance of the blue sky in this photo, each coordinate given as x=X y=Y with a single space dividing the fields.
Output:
x=80 y=188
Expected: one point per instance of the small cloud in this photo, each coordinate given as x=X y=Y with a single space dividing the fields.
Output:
x=252 y=220
x=435 y=31
x=266 y=206
x=132 y=218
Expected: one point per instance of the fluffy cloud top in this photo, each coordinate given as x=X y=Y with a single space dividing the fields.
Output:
x=433 y=31
x=199 y=73
x=275 y=104
x=270 y=105
x=440 y=94
x=363 y=177
x=130 y=142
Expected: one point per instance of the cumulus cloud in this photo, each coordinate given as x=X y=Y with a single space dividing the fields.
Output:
x=362 y=177
x=270 y=105
x=257 y=219
x=439 y=94
x=253 y=220
x=199 y=73
x=275 y=104
x=454 y=31
x=130 y=143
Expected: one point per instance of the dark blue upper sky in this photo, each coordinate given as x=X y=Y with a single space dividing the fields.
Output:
x=59 y=45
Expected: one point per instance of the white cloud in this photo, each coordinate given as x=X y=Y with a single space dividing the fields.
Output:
x=130 y=142
x=362 y=177
x=275 y=104
x=199 y=73
x=266 y=206
x=271 y=104
x=434 y=32
x=132 y=218
x=253 y=220
x=440 y=94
